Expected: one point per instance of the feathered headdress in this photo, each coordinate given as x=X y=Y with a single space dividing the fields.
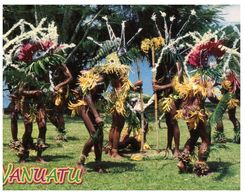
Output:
x=115 y=44
x=32 y=44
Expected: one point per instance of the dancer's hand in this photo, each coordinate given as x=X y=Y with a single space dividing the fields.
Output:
x=75 y=93
x=38 y=93
x=156 y=87
x=56 y=88
x=138 y=83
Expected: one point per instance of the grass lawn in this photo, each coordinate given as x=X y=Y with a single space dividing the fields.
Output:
x=155 y=173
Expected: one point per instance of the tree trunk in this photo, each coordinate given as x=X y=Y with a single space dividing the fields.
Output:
x=36 y=16
x=66 y=24
x=76 y=30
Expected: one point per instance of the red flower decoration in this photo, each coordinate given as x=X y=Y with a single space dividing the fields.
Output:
x=46 y=45
x=199 y=56
x=232 y=77
x=29 y=49
x=26 y=52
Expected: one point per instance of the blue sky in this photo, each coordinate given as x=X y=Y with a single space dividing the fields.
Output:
x=232 y=14
x=146 y=76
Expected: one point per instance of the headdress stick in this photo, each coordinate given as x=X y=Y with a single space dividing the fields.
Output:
x=141 y=108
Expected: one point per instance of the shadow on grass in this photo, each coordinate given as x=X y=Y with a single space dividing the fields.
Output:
x=51 y=158
x=223 y=168
x=56 y=158
x=72 y=138
x=229 y=140
x=113 y=167
x=69 y=138
x=5 y=145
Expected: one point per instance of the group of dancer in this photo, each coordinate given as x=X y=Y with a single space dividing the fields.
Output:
x=38 y=81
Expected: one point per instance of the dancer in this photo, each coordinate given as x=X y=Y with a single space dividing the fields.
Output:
x=131 y=135
x=204 y=58
x=39 y=58
x=117 y=48
x=91 y=84
x=86 y=109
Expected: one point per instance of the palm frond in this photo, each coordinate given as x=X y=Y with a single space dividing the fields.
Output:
x=42 y=65
x=219 y=111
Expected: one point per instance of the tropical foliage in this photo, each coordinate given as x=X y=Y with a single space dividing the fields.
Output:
x=87 y=21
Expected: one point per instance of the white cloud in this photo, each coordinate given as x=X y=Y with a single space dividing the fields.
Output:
x=232 y=14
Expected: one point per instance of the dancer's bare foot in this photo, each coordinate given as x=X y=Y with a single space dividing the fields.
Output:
x=100 y=169
x=181 y=166
x=22 y=161
x=82 y=167
x=99 y=120
x=107 y=150
x=41 y=160
x=114 y=154
x=158 y=151
x=176 y=153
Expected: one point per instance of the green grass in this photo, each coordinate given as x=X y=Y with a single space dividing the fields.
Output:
x=154 y=173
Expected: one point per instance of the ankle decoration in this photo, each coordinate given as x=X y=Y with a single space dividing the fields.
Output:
x=41 y=145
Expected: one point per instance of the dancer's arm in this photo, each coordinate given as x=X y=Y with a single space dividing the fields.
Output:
x=31 y=93
x=68 y=76
x=180 y=71
x=157 y=87
x=137 y=86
